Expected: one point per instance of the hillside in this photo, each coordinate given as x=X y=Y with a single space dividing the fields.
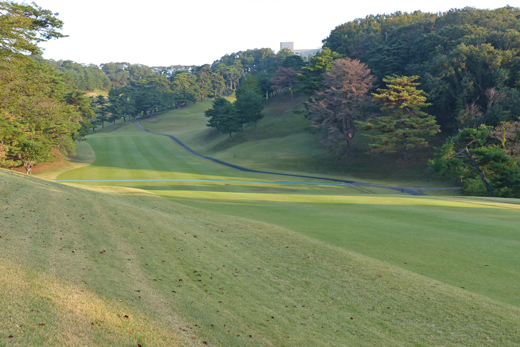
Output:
x=119 y=266
x=286 y=143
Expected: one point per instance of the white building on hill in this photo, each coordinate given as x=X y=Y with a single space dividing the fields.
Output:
x=304 y=53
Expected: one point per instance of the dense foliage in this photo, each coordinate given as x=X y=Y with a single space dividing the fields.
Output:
x=459 y=55
x=37 y=110
x=476 y=158
x=230 y=117
x=467 y=62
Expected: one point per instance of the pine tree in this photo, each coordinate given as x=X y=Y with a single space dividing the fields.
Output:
x=405 y=122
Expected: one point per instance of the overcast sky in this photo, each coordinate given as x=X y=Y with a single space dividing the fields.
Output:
x=196 y=32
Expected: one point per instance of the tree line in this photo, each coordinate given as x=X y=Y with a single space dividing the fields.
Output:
x=398 y=79
x=38 y=113
x=458 y=71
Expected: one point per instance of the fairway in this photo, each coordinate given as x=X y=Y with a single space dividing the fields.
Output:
x=457 y=241
x=109 y=266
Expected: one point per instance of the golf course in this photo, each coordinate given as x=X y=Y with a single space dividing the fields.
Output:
x=140 y=242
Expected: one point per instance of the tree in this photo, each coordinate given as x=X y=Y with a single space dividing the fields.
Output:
x=223 y=117
x=509 y=136
x=229 y=122
x=34 y=117
x=250 y=83
x=84 y=106
x=34 y=109
x=23 y=26
x=30 y=154
x=101 y=109
x=473 y=157
x=336 y=109
x=405 y=122
x=295 y=62
x=249 y=106
x=285 y=77
x=312 y=74
x=214 y=113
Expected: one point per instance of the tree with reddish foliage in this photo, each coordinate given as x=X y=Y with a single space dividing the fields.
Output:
x=336 y=109
x=285 y=77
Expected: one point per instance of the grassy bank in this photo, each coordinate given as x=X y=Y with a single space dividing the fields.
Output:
x=118 y=266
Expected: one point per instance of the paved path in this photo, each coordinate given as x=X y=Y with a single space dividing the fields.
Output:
x=407 y=190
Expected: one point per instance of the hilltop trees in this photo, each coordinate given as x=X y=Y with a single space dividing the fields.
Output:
x=312 y=74
x=459 y=56
x=405 y=122
x=336 y=109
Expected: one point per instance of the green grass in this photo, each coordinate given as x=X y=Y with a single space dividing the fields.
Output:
x=77 y=262
x=459 y=243
x=287 y=264
x=464 y=244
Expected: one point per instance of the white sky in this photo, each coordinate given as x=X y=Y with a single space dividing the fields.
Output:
x=196 y=32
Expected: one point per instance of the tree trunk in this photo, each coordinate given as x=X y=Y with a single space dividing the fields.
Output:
x=256 y=132
x=346 y=133
x=481 y=173
x=28 y=167
x=292 y=97
x=230 y=138
x=405 y=152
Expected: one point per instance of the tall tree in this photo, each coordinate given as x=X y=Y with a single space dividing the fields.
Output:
x=336 y=109
x=35 y=118
x=285 y=78
x=312 y=74
x=229 y=121
x=101 y=109
x=23 y=26
x=405 y=122
x=249 y=106
x=223 y=117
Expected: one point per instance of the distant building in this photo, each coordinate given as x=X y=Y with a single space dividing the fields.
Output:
x=289 y=45
x=304 y=53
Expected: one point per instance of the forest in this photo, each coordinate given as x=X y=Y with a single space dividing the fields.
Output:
x=399 y=79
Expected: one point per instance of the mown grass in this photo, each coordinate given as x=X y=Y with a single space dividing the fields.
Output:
x=468 y=245
x=456 y=242
x=118 y=266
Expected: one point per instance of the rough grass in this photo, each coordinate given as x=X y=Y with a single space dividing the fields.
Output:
x=116 y=266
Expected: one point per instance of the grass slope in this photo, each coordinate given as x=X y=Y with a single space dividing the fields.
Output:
x=118 y=266
x=285 y=142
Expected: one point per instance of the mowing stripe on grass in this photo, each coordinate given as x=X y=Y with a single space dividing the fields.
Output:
x=402 y=189
x=214 y=181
